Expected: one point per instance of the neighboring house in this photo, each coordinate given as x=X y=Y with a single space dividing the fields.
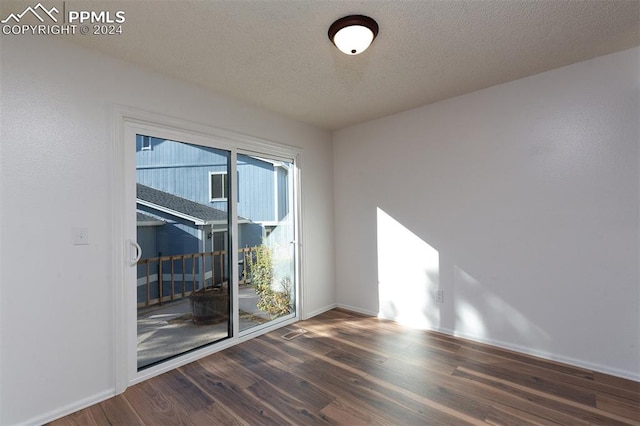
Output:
x=182 y=198
x=147 y=232
x=200 y=174
x=172 y=226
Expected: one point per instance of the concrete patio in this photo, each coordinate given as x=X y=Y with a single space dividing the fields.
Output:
x=167 y=330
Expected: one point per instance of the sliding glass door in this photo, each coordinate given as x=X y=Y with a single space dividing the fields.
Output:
x=182 y=228
x=215 y=237
x=266 y=235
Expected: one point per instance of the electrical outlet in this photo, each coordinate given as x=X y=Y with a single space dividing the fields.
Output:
x=440 y=296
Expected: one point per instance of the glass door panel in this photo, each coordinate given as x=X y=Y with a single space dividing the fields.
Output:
x=184 y=274
x=266 y=238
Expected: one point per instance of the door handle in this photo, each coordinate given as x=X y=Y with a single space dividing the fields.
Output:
x=136 y=252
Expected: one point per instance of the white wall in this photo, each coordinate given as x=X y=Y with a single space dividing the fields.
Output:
x=56 y=306
x=525 y=198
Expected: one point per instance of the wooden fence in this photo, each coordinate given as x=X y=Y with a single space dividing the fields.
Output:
x=168 y=278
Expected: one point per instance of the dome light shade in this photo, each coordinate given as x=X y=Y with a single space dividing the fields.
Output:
x=353 y=34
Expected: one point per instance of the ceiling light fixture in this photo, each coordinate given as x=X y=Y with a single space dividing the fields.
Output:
x=353 y=34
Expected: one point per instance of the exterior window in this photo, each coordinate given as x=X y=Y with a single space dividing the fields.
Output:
x=218 y=186
x=146 y=143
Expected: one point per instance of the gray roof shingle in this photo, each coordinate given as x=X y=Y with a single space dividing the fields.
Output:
x=142 y=217
x=179 y=204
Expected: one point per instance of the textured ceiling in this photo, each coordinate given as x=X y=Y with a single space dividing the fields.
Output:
x=275 y=53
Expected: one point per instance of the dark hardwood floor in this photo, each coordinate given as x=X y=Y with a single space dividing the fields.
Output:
x=352 y=369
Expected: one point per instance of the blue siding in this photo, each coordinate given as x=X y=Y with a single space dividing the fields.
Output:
x=191 y=183
x=256 y=195
x=249 y=235
x=183 y=170
x=176 y=237
x=171 y=153
x=146 y=239
x=180 y=169
x=283 y=192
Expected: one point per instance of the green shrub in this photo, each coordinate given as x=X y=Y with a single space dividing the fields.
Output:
x=274 y=303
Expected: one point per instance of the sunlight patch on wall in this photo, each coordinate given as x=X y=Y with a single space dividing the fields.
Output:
x=469 y=320
x=408 y=275
x=490 y=313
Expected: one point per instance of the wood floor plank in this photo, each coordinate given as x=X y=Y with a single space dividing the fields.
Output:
x=617 y=382
x=118 y=411
x=373 y=392
x=98 y=415
x=561 y=407
x=532 y=381
x=514 y=401
x=290 y=385
x=150 y=400
x=362 y=396
x=222 y=366
x=272 y=354
x=263 y=353
x=420 y=356
x=294 y=409
x=80 y=418
x=353 y=369
x=619 y=406
x=439 y=389
x=505 y=354
x=214 y=414
x=226 y=394
x=181 y=391
x=549 y=371
x=498 y=416
x=347 y=414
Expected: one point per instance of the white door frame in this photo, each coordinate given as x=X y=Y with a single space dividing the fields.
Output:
x=127 y=122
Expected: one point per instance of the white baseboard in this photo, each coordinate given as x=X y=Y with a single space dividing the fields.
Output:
x=579 y=363
x=312 y=314
x=356 y=309
x=630 y=375
x=69 y=409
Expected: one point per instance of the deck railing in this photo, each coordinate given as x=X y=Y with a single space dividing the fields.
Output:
x=167 y=278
